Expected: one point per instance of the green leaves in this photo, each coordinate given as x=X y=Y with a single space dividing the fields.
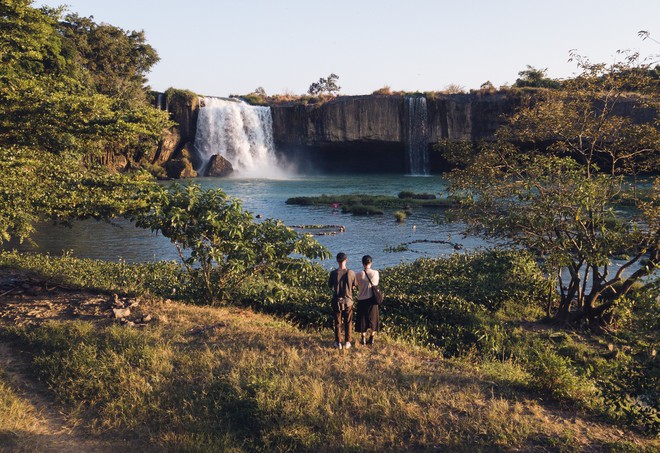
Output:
x=558 y=176
x=220 y=243
x=37 y=186
x=56 y=125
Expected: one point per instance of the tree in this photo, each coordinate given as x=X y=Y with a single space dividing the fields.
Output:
x=454 y=88
x=487 y=86
x=53 y=123
x=328 y=86
x=220 y=244
x=113 y=61
x=37 y=185
x=562 y=180
x=532 y=77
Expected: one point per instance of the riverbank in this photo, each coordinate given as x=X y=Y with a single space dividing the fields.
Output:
x=207 y=379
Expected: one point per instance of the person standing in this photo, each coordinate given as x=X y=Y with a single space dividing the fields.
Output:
x=367 y=308
x=342 y=282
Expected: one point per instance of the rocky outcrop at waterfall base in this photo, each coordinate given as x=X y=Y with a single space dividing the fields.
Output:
x=218 y=166
x=181 y=167
x=175 y=150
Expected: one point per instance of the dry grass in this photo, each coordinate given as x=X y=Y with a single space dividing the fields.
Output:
x=226 y=379
x=17 y=416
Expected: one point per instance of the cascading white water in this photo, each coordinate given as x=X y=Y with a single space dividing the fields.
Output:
x=161 y=101
x=417 y=153
x=241 y=133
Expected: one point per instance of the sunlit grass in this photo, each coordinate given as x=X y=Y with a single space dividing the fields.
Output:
x=203 y=379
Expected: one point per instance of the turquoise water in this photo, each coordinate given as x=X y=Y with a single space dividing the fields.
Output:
x=363 y=235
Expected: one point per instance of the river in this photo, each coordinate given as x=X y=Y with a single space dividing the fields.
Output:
x=266 y=197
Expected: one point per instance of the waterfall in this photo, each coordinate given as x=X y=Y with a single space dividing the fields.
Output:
x=161 y=101
x=241 y=133
x=417 y=152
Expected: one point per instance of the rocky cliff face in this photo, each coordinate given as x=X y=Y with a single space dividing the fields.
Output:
x=345 y=119
x=173 y=153
x=381 y=119
x=360 y=131
x=356 y=133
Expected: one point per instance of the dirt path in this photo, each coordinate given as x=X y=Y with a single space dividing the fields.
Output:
x=25 y=299
x=52 y=432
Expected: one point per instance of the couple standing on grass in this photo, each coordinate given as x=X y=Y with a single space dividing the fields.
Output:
x=342 y=281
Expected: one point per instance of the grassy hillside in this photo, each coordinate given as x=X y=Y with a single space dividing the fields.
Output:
x=229 y=379
x=226 y=379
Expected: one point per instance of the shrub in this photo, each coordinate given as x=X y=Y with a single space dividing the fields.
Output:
x=224 y=242
x=417 y=196
x=161 y=278
x=556 y=375
x=385 y=91
x=359 y=209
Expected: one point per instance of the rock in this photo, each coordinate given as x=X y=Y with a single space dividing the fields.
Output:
x=180 y=168
x=168 y=145
x=134 y=303
x=219 y=166
x=116 y=301
x=349 y=130
x=146 y=318
x=121 y=312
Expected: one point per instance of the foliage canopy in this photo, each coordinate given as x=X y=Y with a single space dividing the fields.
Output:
x=71 y=91
x=328 y=86
x=563 y=180
x=220 y=244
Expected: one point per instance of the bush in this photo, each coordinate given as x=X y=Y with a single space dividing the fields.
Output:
x=490 y=279
x=400 y=216
x=417 y=196
x=359 y=209
x=224 y=242
x=557 y=376
x=385 y=91
x=163 y=278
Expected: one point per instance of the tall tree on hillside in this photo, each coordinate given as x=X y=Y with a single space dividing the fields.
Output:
x=115 y=61
x=328 y=86
x=563 y=179
x=52 y=121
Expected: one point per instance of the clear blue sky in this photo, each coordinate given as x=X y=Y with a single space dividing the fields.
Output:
x=222 y=47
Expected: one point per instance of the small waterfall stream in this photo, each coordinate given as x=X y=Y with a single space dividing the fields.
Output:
x=417 y=153
x=241 y=133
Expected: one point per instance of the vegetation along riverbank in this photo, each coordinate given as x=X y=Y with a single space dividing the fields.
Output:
x=178 y=376
x=548 y=343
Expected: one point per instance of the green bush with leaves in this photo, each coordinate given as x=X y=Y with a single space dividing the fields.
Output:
x=553 y=181
x=161 y=278
x=489 y=279
x=556 y=375
x=220 y=244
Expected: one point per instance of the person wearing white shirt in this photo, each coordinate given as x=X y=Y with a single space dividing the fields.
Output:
x=367 y=308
